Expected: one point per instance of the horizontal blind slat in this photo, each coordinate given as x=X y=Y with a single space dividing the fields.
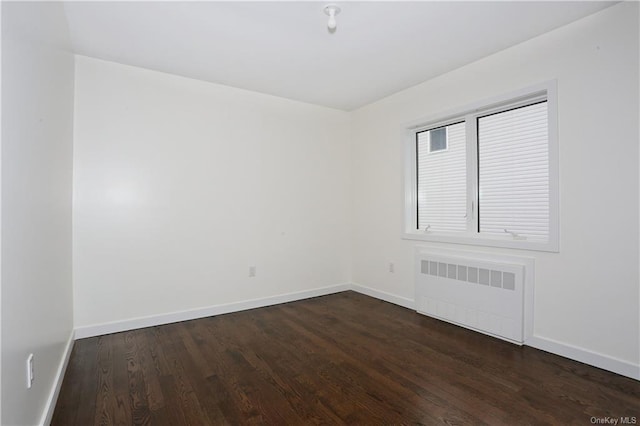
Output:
x=442 y=177
x=513 y=172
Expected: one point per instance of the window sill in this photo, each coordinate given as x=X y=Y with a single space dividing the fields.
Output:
x=485 y=241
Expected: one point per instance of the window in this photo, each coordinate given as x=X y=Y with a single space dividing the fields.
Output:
x=486 y=175
x=437 y=139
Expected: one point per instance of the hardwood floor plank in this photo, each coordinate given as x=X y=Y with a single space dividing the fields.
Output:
x=105 y=398
x=177 y=357
x=149 y=370
x=197 y=369
x=173 y=409
x=140 y=413
x=66 y=411
x=339 y=359
x=87 y=383
x=120 y=379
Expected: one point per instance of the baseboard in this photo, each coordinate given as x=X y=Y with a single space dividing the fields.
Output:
x=618 y=366
x=57 y=383
x=150 y=321
x=624 y=368
x=605 y=362
x=383 y=295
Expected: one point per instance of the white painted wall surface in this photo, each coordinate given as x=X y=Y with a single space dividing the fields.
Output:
x=180 y=186
x=37 y=130
x=1 y=213
x=586 y=296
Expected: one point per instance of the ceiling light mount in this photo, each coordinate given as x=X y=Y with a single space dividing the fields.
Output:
x=332 y=10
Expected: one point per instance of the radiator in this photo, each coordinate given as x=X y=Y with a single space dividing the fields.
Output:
x=483 y=292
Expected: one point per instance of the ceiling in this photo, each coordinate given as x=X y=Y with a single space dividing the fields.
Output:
x=285 y=48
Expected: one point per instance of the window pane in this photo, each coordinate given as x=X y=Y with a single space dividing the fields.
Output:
x=438 y=139
x=442 y=181
x=513 y=173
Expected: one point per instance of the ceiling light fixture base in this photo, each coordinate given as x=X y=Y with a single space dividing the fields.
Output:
x=331 y=10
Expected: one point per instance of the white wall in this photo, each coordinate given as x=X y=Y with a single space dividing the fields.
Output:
x=181 y=185
x=586 y=296
x=37 y=107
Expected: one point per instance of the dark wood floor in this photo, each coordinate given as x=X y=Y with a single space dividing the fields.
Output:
x=339 y=359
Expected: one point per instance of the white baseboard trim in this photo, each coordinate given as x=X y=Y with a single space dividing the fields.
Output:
x=618 y=366
x=605 y=362
x=383 y=295
x=57 y=383
x=153 y=320
x=624 y=368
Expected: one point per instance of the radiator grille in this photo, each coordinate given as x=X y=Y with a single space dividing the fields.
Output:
x=483 y=292
x=501 y=279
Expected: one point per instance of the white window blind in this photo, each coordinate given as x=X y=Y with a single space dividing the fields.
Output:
x=513 y=173
x=442 y=179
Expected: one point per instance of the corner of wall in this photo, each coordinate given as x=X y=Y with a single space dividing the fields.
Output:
x=50 y=405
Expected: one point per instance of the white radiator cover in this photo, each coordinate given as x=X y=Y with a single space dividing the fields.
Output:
x=482 y=293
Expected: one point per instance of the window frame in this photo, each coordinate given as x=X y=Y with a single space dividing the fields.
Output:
x=469 y=114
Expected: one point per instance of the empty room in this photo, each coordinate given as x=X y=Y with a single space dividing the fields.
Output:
x=293 y=213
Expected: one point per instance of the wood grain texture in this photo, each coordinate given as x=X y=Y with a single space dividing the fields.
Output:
x=339 y=359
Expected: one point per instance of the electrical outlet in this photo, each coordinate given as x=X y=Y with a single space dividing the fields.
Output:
x=392 y=267
x=252 y=271
x=29 y=371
